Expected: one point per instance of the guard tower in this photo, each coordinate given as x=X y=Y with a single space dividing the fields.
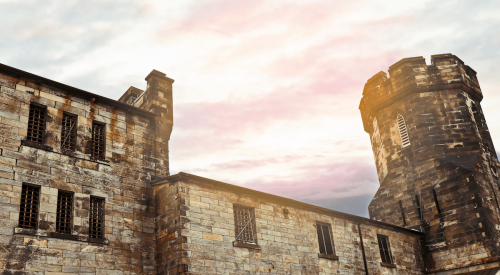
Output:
x=435 y=159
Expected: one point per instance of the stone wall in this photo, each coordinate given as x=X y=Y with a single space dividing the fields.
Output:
x=286 y=234
x=123 y=179
x=444 y=182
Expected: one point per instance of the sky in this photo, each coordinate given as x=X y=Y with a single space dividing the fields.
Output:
x=266 y=93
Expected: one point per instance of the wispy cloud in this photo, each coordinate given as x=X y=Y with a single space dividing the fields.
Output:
x=266 y=93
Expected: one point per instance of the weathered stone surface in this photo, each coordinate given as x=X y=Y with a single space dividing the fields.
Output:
x=444 y=181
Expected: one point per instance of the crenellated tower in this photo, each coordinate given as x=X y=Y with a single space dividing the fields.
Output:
x=437 y=166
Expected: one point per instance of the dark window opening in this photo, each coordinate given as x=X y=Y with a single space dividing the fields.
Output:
x=68 y=134
x=385 y=250
x=419 y=208
x=402 y=212
x=325 y=239
x=36 y=124
x=98 y=140
x=244 y=223
x=28 y=215
x=96 y=221
x=64 y=212
x=436 y=200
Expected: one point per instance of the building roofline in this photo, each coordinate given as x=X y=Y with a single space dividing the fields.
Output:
x=72 y=90
x=282 y=200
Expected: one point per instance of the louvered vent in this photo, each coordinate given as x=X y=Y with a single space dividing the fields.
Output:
x=403 y=132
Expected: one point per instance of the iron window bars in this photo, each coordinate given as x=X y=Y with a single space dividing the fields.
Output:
x=64 y=212
x=36 y=124
x=98 y=140
x=244 y=223
x=325 y=238
x=385 y=250
x=96 y=220
x=30 y=197
x=68 y=134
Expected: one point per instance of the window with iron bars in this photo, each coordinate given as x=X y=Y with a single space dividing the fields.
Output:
x=244 y=224
x=385 y=250
x=28 y=214
x=64 y=212
x=96 y=221
x=325 y=238
x=68 y=134
x=98 y=140
x=36 y=124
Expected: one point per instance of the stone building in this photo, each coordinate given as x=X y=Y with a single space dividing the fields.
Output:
x=85 y=187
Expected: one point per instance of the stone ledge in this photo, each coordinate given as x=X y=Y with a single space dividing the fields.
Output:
x=36 y=145
x=328 y=256
x=388 y=265
x=39 y=233
x=246 y=245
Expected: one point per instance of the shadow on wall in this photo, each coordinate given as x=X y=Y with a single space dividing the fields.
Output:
x=357 y=205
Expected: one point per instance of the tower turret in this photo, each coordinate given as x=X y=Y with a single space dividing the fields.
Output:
x=435 y=159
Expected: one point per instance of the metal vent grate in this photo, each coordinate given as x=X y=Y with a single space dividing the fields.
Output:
x=244 y=223
x=36 y=124
x=29 y=207
x=403 y=132
x=385 y=250
x=64 y=212
x=98 y=141
x=96 y=222
x=68 y=134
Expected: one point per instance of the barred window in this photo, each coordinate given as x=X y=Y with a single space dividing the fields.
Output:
x=28 y=215
x=98 y=140
x=96 y=221
x=325 y=238
x=64 y=212
x=403 y=132
x=36 y=124
x=385 y=250
x=68 y=134
x=244 y=223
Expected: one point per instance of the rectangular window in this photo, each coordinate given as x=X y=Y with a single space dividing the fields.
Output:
x=385 y=250
x=36 y=124
x=244 y=223
x=325 y=238
x=64 y=212
x=28 y=215
x=96 y=221
x=68 y=134
x=98 y=140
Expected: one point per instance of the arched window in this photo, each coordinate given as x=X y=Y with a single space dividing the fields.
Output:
x=403 y=132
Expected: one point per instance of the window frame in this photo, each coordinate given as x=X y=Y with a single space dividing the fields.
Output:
x=321 y=225
x=382 y=250
x=103 y=141
x=252 y=223
x=37 y=215
x=34 y=105
x=403 y=131
x=58 y=212
x=103 y=220
x=66 y=114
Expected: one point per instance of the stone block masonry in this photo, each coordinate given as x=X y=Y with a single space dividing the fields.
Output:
x=203 y=239
x=122 y=179
x=445 y=181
